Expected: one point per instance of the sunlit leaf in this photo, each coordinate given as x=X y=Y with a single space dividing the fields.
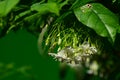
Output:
x=6 y=6
x=45 y=8
x=99 y=18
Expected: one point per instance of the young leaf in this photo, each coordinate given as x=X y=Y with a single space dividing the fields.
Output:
x=46 y=7
x=6 y=6
x=99 y=18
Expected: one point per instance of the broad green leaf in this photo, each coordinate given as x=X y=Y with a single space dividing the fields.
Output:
x=45 y=8
x=6 y=6
x=99 y=18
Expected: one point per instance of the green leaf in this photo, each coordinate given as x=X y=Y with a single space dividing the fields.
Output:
x=45 y=8
x=6 y=6
x=52 y=0
x=79 y=3
x=22 y=14
x=99 y=18
x=119 y=29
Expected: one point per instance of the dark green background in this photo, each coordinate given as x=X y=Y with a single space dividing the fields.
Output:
x=20 y=49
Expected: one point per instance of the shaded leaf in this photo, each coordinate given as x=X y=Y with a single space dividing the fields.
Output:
x=22 y=14
x=6 y=6
x=99 y=18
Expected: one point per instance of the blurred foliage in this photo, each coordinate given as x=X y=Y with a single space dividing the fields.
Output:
x=54 y=25
x=20 y=59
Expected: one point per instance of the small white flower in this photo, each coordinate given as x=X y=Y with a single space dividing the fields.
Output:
x=74 y=56
x=93 y=68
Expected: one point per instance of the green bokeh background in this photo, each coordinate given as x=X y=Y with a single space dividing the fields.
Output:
x=20 y=49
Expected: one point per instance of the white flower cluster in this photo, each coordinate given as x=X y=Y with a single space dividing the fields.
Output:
x=75 y=56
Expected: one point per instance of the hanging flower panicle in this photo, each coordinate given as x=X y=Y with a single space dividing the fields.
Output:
x=75 y=56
